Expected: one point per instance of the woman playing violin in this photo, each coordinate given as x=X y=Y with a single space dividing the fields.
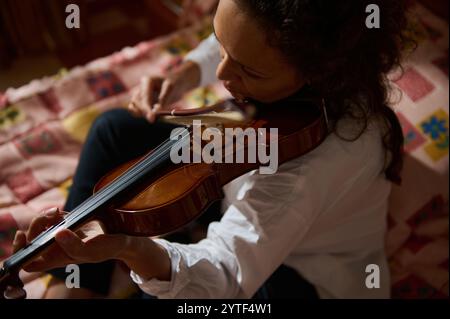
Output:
x=307 y=231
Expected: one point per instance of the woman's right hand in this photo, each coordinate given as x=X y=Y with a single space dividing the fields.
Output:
x=156 y=93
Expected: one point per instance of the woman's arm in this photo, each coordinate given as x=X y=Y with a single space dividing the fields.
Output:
x=254 y=237
x=146 y=258
x=198 y=69
x=207 y=56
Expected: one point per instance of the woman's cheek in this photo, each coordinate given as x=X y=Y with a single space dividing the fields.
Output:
x=253 y=87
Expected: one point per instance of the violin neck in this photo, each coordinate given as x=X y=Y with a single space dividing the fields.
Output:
x=87 y=210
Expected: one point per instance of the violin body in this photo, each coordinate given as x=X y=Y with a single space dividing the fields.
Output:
x=179 y=193
x=164 y=202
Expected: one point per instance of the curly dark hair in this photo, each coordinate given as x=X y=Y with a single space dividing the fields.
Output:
x=342 y=59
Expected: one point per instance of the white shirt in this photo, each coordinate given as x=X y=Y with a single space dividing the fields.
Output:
x=323 y=214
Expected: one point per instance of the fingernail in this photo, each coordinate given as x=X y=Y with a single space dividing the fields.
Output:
x=52 y=212
x=15 y=241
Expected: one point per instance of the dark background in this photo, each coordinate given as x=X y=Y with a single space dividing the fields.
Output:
x=34 y=40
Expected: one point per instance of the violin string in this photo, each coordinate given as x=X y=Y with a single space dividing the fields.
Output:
x=137 y=169
x=106 y=192
x=130 y=174
x=119 y=180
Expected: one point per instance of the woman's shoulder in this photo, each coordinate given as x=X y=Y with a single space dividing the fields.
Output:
x=351 y=148
x=336 y=162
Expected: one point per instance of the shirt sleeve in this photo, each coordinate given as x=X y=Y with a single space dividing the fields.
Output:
x=207 y=56
x=257 y=232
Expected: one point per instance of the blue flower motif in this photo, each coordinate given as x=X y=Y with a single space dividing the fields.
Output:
x=104 y=92
x=118 y=88
x=435 y=127
x=410 y=136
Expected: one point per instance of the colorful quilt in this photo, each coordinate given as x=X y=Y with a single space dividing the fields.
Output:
x=43 y=126
x=417 y=241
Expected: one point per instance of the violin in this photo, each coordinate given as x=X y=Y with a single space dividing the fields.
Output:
x=152 y=196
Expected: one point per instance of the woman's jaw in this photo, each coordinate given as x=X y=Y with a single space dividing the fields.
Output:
x=240 y=97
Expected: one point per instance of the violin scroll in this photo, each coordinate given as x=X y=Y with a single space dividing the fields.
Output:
x=11 y=286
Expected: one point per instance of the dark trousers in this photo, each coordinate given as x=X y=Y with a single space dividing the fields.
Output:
x=117 y=137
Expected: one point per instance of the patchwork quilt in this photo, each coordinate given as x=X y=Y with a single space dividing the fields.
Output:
x=43 y=126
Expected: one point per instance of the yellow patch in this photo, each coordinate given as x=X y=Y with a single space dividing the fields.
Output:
x=46 y=279
x=201 y=97
x=61 y=74
x=204 y=32
x=11 y=116
x=78 y=123
x=435 y=127
x=178 y=46
x=64 y=187
x=435 y=152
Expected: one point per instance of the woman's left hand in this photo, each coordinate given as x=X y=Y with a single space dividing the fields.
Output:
x=89 y=244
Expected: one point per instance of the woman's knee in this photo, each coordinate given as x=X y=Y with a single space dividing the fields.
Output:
x=119 y=129
x=115 y=125
x=111 y=120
